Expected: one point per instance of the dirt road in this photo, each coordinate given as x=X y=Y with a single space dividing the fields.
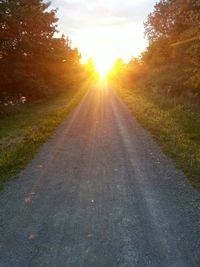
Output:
x=100 y=193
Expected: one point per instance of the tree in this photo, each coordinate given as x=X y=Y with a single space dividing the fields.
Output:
x=173 y=31
x=173 y=19
x=32 y=61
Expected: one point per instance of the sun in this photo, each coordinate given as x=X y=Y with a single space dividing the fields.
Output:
x=102 y=66
x=102 y=70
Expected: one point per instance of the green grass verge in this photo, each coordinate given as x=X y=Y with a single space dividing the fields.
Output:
x=176 y=126
x=22 y=132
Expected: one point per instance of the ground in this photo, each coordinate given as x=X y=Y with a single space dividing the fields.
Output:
x=25 y=127
x=100 y=193
x=174 y=124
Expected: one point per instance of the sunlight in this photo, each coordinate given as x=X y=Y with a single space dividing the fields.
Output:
x=102 y=70
x=103 y=66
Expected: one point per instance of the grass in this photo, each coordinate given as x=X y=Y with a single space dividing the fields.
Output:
x=22 y=131
x=176 y=126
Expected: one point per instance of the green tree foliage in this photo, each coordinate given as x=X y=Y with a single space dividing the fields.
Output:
x=173 y=31
x=174 y=19
x=171 y=63
x=33 y=63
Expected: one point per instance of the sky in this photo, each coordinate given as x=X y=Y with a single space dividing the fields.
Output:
x=104 y=29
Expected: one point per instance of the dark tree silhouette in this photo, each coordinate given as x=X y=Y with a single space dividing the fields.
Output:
x=33 y=63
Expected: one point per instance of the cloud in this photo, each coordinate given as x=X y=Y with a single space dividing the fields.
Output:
x=83 y=19
x=85 y=11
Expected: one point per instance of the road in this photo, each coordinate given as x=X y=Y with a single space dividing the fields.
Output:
x=100 y=193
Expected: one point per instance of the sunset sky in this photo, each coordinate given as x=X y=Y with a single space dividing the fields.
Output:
x=106 y=29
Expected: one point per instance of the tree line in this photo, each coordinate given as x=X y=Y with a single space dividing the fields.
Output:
x=34 y=63
x=171 y=63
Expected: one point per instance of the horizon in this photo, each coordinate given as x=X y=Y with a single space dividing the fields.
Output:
x=113 y=29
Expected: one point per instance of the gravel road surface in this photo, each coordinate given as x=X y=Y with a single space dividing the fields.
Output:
x=100 y=193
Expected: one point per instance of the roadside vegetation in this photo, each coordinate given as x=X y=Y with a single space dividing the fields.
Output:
x=27 y=126
x=175 y=125
x=36 y=61
x=41 y=80
x=162 y=86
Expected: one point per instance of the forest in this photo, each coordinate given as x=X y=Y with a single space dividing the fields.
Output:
x=35 y=63
x=170 y=65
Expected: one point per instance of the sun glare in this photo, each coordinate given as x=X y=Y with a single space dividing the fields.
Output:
x=102 y=66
